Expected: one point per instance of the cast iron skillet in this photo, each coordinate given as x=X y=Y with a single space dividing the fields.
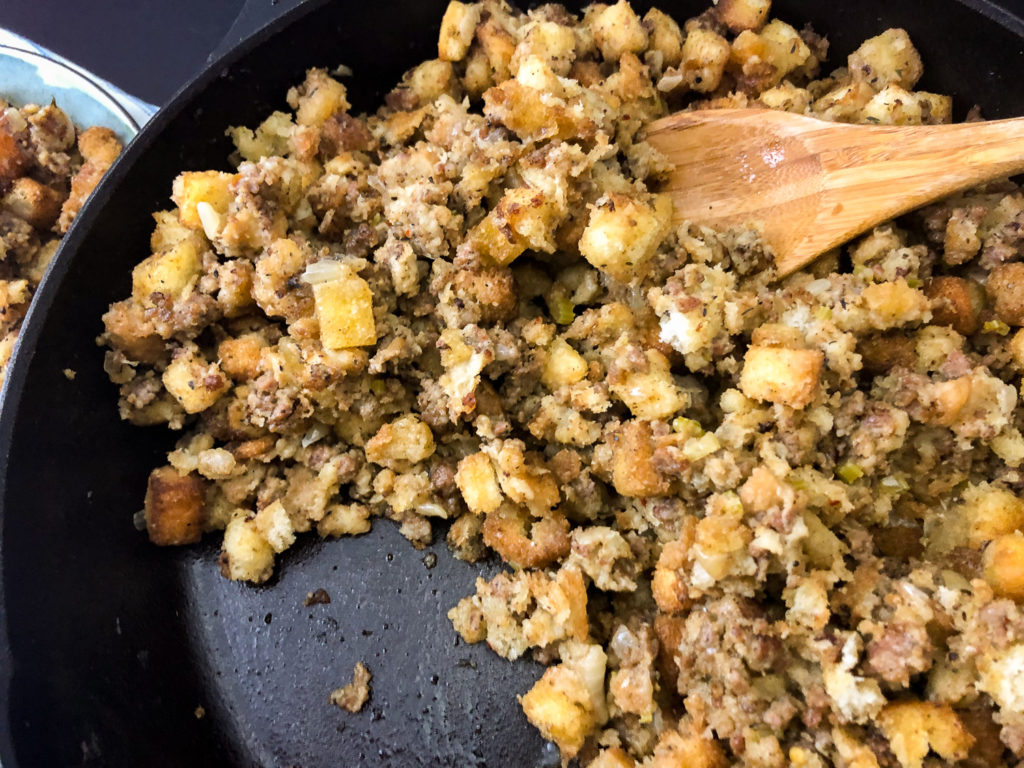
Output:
x=108 y=645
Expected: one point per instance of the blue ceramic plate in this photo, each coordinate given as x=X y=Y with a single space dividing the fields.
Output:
x=27 y=77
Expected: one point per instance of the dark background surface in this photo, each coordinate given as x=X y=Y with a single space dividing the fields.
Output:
x=151 y=48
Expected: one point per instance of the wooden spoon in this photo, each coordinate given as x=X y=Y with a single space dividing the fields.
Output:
x=810 y=185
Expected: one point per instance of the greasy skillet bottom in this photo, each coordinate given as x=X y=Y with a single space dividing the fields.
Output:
x=114 y=644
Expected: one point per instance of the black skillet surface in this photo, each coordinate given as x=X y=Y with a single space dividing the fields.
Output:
x=107 y=645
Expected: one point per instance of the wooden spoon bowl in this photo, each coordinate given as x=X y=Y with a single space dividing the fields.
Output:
x=810 y=185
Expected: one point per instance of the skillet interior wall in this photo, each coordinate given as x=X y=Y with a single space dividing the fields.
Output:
x=114 y=643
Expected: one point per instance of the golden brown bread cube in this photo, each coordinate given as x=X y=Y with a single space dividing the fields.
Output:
x=457 y=27
x=916 y=727
x=665 y=36
x=704 y=57
x=14 y=160
x=894 y=303
x=239 y=357
x=174 y=507
x=956 y=302
x=168 y=272
x=687 y=748
x=990 y=512
x=623 y=233
x=344 y=308
x=245 y=555
x=194 y=383
x=633 y=472
x=523 y=218
x=618 y=30
x=564 y=365
x=34 y=202
x=99 y=147
x=498 y=46
x=739 y=15
x=888 y=58
x=882 y=352
x=779 y=375
x=566 y=705
x=1005 y=286
x=318 y=98
x=405 y=441
x=194 y=187
x=1003 y=565
x=478 y=483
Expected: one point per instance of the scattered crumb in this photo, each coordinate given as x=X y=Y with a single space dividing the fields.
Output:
x=430 y=560
x=317 y=597
x=70 y=373
x=354 y=695
x=200 y=712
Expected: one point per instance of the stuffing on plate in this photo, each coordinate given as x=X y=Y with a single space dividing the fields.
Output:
x=746 y=520
x=47 y=170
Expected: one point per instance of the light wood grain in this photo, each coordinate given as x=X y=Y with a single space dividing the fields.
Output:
x=811 y=185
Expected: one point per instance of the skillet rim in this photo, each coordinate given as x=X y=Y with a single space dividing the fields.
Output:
x=14 y=385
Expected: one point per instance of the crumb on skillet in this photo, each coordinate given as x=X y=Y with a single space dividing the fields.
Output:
x=353 y=697
x=746 y=521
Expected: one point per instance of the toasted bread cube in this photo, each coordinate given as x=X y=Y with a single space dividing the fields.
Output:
x=457 y=27
x=991 y=512
x=892 y=106
x=239 y=357
x=887 y=59
x=552 y=43
x=612 y=757
x=785 y=49
x=174 y=507
x=14 y=160
x=99 y=147
x=651 y=394
x=845 y=103
x=739 y=15
x=687 y=748
x=1003 y=565
x=779 y=375
x=936 y=108
x=623 y=234
x=523 y=218
x=34 y=202
x=1006 y=288
x=168 y=272
x=704 y=57
x=168 y=232
x=344 y=308
x=194 y=187
x=430 y=79
x=894 y=304
x=275 y=526
x=194 y=383
x=916 y=727
x=245 y=554
x=403 y=442
x=344 y=520
x=633 y=471
x=665 y=36
x=1016 y=346
x=617 y=30
x=564 y=365
x=498 y=47
x=956 y=302
x=271 y=137
x=565 y=705
x=319 y=97
x=478 y=483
